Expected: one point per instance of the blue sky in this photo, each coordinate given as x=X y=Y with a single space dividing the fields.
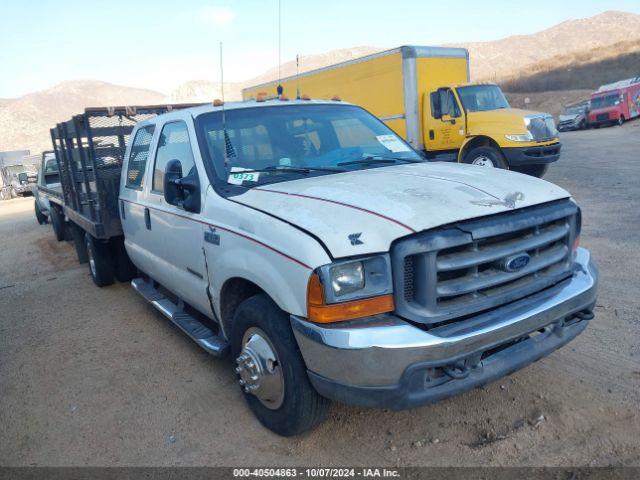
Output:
x=160 y=44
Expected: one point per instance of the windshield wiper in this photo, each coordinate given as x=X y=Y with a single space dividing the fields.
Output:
x=373 y=159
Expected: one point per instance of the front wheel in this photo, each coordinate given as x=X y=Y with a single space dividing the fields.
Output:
x=271 y=371
x=485 y=157
x=101 y=262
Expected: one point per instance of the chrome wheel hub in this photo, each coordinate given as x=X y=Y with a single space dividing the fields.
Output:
x=259 y=369
x=483 y=161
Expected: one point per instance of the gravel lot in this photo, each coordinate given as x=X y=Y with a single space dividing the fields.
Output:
x=94 y=376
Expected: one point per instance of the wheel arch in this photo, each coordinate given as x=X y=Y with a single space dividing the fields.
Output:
x=240 y=287
x=477 y=141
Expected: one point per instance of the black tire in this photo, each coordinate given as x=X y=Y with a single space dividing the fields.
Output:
x=582 y=125
x=596 y=125
x=79 y=242
x=57 y=223
x=302 y=407
x=621 y=120
x=488 y=153
x=537 y=170
x=40 y=217
x=101 y=261
x=125 y=270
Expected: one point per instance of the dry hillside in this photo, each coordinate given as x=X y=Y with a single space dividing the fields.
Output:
x=586 y=70
x=513 y=55
x=25 y=121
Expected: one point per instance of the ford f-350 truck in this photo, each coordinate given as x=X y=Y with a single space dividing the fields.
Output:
x=321 y=251
x=424 y=94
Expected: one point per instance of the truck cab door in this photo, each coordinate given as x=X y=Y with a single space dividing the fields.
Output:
x=444 y=122
x=174 y=215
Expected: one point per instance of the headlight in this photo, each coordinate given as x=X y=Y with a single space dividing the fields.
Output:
x=353 y=279
x=520 y=137
x=347 y=278
x=350 y=289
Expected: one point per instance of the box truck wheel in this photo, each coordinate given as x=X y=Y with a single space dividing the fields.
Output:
x=100 y=261
x=40 y=217
x=485 y=157
x=271 y=371
x=57 y=223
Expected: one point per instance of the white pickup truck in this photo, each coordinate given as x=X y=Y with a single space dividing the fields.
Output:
x=324 y=253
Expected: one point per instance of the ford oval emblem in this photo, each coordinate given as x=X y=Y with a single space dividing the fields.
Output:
x=515 y=262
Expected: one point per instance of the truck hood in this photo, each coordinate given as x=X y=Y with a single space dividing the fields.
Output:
x=364 y=211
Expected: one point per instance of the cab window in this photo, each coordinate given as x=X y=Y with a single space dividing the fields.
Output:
x=451 y=105
x=138 y=157
x=173 y=144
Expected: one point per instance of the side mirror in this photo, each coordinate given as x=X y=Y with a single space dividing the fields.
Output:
x=172 y=175
x=181 y=191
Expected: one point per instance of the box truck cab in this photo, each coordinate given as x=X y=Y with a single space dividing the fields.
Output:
x=615 y=103
x=424 y=95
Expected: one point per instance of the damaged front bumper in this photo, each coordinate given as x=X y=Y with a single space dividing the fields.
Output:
x=385 y=361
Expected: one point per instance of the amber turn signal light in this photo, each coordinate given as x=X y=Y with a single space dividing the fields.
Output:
x=318 y=311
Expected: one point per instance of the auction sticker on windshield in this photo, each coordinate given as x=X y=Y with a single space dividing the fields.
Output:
x=393 y=143
x=239 y=175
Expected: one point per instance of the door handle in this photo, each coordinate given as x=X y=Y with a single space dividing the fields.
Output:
x=147 y=218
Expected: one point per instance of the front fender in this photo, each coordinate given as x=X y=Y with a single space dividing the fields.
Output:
x=283 y=280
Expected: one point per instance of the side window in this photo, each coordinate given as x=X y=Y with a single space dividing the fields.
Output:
x=138 y=157
x=454 y=111
x=173 y=145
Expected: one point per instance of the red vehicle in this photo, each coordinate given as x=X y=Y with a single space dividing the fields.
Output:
x=615 y=103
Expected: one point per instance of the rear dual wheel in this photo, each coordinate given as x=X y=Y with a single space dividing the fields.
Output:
x=108 y=260
x=101 y=262
x=57 y=223
x=40 y=217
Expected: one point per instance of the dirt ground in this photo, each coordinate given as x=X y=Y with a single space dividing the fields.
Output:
x=94 y=376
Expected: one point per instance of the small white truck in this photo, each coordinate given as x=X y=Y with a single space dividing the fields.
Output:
x=322 y=252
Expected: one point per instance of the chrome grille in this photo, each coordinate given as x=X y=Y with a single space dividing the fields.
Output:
x=457 y=270
x=542 y=128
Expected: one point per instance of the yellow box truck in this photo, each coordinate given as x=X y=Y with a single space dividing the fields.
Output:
x=424 y=95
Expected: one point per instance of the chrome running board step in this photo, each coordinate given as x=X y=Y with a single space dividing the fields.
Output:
x=197 y=331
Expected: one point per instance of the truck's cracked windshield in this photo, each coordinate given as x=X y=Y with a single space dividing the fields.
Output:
x=273 y=144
